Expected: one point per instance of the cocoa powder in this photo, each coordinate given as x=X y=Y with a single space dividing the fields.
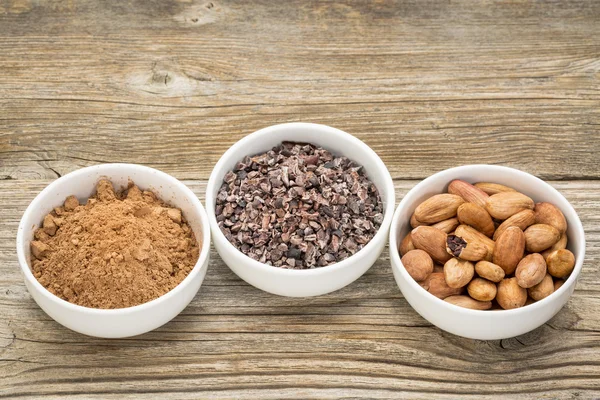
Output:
x=119 y=250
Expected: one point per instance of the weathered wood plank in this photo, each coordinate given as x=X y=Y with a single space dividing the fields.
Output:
x=233 y=339
x=187 y=143
x=173 y=84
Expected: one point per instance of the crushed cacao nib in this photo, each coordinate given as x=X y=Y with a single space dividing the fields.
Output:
x=298 y=206
x=456 y=244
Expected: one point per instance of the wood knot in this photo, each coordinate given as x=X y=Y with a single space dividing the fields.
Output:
x=200 y=14
x=160 y=78
x=167 y=78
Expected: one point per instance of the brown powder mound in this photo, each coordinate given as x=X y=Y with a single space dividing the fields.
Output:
x=119 y=250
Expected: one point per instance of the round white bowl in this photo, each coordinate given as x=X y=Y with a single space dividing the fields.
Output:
x=478 y=324
x=123 y=322
x=309 y=282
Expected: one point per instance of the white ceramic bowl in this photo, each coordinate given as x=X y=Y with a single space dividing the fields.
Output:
x=115 y=323
x=477 y=324
x=310 y=282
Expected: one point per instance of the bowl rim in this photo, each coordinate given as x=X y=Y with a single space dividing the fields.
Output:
x=453 y=173
x=390 y=200
x=79 y=173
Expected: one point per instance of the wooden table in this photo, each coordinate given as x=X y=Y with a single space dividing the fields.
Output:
x=172 y=84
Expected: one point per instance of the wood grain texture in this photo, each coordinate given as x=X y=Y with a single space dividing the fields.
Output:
x=172 y=84
x=235 y=341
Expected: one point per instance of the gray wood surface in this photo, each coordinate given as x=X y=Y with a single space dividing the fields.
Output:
x=172 y=84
